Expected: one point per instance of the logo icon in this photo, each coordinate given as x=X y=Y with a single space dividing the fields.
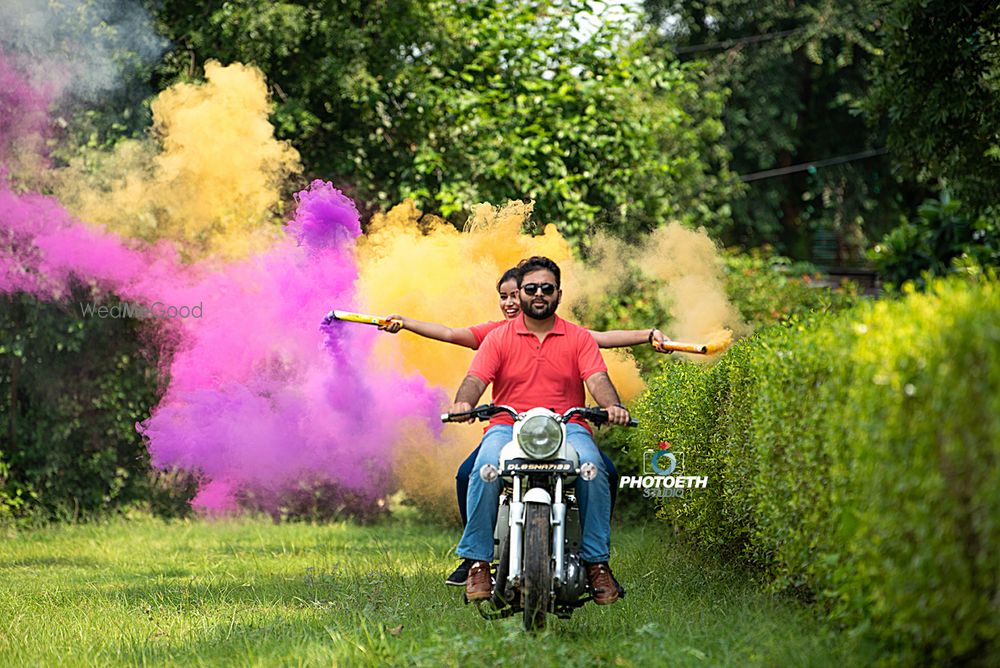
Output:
x=660 y=461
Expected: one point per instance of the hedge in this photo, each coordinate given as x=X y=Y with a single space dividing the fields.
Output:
x=71 y=391
x=855 y=458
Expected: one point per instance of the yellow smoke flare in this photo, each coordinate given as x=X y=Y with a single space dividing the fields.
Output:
x=209 y=179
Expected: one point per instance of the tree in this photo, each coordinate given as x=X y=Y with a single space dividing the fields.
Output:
x=937 y=79
x=797 y=74
x=452 y=104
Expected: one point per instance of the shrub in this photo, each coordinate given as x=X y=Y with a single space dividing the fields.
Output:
x=942 y=235
x=856 y=458
x=770 y=288
x=71 y=391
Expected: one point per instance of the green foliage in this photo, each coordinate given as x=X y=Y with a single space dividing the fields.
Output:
x=856 y=457
x=452 y=104
x=938 y=81
x=943 y=236
x=591 y=130
x=770 y=288
x=71 y=392
x=796 y=73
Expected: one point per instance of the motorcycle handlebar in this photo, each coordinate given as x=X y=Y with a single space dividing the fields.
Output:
x=484 y=412
x=598 y=416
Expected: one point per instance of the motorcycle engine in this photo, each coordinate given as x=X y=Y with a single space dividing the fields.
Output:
x=574 y=583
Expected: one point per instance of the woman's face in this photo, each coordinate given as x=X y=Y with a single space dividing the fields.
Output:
x=510 y=305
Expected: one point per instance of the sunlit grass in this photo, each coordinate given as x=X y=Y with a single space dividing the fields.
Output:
x=253 y=593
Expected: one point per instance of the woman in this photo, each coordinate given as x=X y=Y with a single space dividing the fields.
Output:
x=472 y=337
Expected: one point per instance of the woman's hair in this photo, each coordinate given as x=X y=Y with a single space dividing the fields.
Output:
x=510 y=274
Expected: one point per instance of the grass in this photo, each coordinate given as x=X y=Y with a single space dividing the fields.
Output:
x=248 y=592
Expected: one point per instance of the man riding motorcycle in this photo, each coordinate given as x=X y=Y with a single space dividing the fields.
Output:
x=539 y=359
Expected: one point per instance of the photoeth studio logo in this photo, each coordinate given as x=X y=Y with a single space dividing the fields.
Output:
x=662 y=474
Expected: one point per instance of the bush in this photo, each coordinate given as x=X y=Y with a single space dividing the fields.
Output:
x=942 y=237
x=856 y=458
x=71 y=391
x=770 y=288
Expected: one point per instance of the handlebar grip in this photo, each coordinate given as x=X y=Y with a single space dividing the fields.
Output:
x=452 y=417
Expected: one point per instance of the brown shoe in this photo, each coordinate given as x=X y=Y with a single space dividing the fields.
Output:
x=602 y=584
x=479 y=585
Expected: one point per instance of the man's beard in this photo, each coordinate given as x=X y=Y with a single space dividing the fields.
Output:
x=548 y=312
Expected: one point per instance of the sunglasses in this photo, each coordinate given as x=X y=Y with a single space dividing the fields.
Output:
x=531 y=289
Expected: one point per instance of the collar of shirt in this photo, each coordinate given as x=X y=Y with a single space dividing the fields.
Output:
x=558 y=327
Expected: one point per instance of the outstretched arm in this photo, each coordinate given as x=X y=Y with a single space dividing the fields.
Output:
x=621 y=338
x=461 y=336
x=605 y=394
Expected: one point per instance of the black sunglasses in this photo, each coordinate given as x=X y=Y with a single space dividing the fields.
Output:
x=531 y=289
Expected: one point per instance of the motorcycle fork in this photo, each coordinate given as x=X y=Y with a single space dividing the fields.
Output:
x=516 y=532
x=558 y=531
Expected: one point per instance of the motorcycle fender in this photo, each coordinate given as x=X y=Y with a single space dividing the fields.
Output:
x=537 y=495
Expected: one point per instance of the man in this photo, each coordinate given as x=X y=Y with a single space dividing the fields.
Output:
x=539 y=359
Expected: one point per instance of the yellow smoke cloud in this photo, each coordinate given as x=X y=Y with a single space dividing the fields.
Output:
x=687 y=263
x=422 y=267
x=209 y=178
x=686 y=266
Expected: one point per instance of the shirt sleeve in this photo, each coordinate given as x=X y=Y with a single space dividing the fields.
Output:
x=588 y=356
x=487 y=360
x=480 y=331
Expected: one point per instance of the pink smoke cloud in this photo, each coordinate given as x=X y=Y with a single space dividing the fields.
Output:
x=260 y=396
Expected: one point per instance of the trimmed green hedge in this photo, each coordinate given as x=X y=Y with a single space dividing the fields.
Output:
x=856 y=458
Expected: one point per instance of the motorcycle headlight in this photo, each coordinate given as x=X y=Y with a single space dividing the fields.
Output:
x=540 y=436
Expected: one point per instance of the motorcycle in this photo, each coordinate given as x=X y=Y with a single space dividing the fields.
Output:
x=537 y=538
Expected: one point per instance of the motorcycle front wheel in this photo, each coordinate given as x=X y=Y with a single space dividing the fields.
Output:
x=536 y=584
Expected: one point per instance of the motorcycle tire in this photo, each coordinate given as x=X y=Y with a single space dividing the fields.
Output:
x=536 y=581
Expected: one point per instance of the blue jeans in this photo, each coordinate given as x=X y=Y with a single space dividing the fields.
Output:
x=466 y=468
x=594 y=498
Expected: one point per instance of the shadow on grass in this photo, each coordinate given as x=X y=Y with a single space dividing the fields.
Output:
x=51 y=562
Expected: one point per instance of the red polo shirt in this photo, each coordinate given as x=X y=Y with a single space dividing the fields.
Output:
x=480 y=331
x=526 y=372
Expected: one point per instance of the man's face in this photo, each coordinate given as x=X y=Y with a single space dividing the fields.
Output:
x=539 y=305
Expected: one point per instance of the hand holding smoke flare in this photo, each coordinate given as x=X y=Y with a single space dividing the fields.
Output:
x=717 y=343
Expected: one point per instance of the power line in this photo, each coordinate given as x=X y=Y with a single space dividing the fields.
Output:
x=802 y=167
x=729 y=43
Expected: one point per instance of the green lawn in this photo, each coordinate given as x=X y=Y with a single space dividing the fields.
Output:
x=254 y=593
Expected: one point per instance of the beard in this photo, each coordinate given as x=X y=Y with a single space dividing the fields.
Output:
x=530 y=312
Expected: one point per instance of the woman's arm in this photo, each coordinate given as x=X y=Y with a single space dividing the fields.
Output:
x=622 y=338
x=461 y=336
